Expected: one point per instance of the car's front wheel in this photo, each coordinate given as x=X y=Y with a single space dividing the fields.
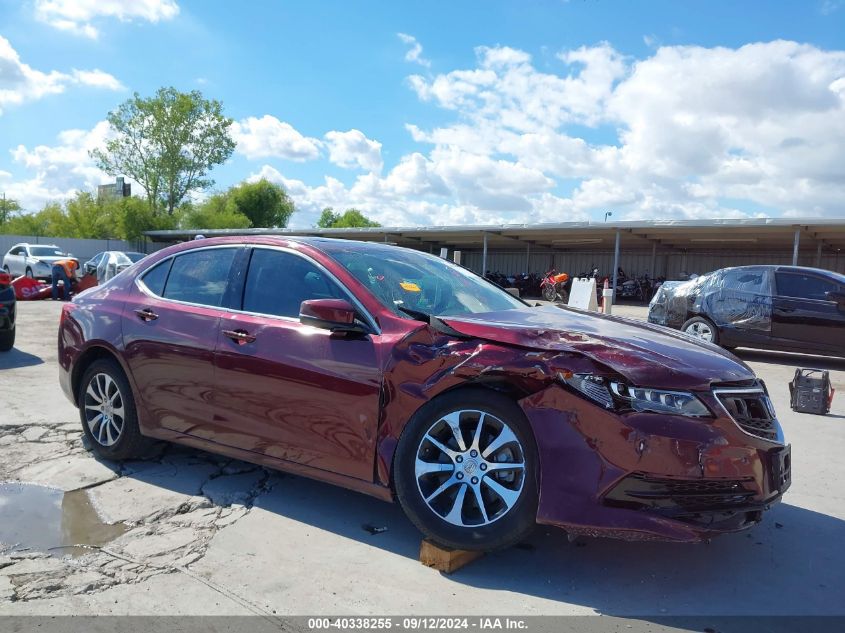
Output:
x=702 y=328
x=29 y=272
x=466 y=471
x=108 y=414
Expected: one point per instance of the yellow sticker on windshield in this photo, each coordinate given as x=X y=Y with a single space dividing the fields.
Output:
x=409 y=286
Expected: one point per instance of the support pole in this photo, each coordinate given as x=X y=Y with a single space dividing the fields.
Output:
x=484 y=257
x=819 y=255
x=528 y=257
x=615 y=264
x=795 y=245
x=653 y=259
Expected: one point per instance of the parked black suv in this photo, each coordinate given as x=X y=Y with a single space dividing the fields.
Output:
x=785 y=308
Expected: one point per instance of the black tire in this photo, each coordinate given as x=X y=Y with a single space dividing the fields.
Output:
x=702 y=323
x=29 y=273
x=514 y=523
x=130 y=444
x=563 y=296
x=549 y=293
x=7 y=340
x=6 y=270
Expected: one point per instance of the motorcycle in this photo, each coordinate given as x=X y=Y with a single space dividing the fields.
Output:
x=554 y=286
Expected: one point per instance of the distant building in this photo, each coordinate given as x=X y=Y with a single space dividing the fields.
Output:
x=118 y=189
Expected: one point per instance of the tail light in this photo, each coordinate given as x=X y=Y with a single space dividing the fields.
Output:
x=5 y=279
x=67 y=308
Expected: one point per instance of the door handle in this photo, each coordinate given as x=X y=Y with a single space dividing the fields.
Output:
x=241 y=337
x=146 y=314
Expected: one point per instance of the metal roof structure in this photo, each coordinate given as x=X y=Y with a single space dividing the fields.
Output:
x=763 y=234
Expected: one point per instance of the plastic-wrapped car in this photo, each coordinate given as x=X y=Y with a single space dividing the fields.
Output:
x=785 y=308
x=7 y=312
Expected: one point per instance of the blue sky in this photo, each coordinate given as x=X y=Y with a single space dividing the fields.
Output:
x=510 y=111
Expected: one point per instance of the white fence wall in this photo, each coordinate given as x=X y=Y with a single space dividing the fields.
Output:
x=81 y=249
x=669 y=265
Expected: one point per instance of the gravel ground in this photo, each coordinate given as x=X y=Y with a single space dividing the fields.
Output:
x=208 y=535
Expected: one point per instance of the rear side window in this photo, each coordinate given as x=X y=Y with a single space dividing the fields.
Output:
x=745 y=280
x=155 y=277
x=200 y=276
x=804 y=286
x=278 y=282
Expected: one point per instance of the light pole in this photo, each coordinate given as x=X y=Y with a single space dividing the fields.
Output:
x=607 y=214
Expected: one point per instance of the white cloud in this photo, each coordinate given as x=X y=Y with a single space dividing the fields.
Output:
x=76 y=16
x=414 y=53
x=353 y=149
x=58 y=171
x=19 y=82
x=268 y=137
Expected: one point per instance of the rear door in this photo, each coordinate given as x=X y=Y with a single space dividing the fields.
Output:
x=804 y=316
x=293 y=391
x=740 y=303
x=170 y=327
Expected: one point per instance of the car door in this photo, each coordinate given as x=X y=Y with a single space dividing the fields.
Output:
x=293 y=391
x=14 y=260
x=740 y=303
x=170 y=328
x=803 y=313
x=91 y=264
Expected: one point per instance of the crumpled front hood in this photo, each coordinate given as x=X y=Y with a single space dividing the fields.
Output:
x=646 y=355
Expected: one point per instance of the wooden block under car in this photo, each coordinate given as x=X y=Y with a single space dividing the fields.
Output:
x=445 y=559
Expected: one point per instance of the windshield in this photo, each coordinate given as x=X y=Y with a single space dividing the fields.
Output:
x=44 y=251
x=406 y=281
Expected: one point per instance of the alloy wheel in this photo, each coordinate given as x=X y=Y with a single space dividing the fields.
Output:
x=470 y=468
x=104 y=410
x=701 y=330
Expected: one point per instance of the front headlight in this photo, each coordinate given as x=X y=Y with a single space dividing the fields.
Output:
x=612 y=394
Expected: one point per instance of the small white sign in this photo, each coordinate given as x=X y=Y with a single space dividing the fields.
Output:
x=583 y=294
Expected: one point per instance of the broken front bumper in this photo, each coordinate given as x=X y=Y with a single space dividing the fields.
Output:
x=644 y=476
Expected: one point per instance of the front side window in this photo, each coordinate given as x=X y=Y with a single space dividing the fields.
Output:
x=408 y=281
x=278 y=282
x=200 y=276
x=803 y=286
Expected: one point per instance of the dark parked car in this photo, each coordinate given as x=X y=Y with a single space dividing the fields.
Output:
x=785 y=308
x=399 y=374
x=7 y=312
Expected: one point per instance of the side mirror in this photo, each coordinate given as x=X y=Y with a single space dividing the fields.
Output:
x=838 y=297
x=337 y=315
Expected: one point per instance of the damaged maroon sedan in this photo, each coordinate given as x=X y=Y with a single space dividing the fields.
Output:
x=399 y=374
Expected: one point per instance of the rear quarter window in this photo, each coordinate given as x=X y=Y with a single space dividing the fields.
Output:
x=155 y=278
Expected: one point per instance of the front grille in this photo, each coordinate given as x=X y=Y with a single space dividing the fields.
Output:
x=752 y=410
x=683 y=496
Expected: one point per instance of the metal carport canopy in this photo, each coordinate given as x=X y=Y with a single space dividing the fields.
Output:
x=748 y=234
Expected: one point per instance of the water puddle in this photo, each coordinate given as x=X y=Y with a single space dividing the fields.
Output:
x=49 y=520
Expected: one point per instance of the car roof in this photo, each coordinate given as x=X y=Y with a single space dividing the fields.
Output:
x=788 y=269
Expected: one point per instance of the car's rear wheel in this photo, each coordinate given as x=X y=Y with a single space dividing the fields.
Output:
x=466 y=471
x=108 y=414
x=7 y=340
x=702 y=328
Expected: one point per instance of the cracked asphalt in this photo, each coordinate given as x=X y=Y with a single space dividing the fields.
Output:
x=208 y=535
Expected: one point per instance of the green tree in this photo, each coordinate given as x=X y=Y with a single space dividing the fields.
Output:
x=49 y=222
x=327 y=218
x=214 y=213
x=264 y=203
x=167 y=143
x=352 y=218
x=8 y=206
x=134 y=216
x=85 y=217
